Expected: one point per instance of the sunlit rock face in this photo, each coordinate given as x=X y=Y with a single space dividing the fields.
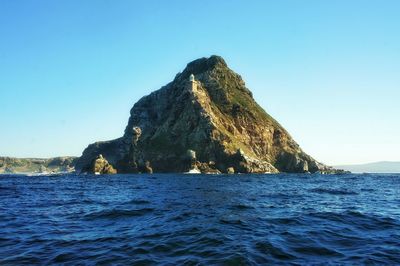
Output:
x=208 y=110
x=100 y=166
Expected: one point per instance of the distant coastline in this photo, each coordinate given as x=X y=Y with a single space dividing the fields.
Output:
x=374 y=167
x=11 y=165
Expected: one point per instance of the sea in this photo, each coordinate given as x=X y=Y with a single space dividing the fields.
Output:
x=174 y=219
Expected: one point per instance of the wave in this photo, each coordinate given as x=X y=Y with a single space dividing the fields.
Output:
x=333 y=191
x=361 y=221
x=118 y=213
x=231 y=220
x=241 y=207
x=274 y=251
x=138 y=201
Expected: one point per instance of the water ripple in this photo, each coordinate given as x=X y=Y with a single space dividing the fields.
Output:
x=118 y=213
x=333 y=191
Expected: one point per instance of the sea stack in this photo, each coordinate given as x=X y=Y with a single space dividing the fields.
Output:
x=207 y=110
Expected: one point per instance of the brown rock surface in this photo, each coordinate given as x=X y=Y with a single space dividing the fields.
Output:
x=101 y=166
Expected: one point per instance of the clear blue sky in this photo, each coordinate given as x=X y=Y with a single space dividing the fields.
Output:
x=328 y=71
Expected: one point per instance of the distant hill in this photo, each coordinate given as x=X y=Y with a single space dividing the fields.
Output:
x=376 y=167
x=9 y=165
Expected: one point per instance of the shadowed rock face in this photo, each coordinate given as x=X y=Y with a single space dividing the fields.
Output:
x=215 y=117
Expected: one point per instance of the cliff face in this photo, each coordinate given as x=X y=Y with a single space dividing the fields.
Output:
x=211 y=124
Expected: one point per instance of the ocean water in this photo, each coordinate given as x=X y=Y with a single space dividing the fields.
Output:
x=200 y=220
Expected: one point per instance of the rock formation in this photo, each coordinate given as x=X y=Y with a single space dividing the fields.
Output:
x=100 y=166
x=205 y=119
x=230 y=170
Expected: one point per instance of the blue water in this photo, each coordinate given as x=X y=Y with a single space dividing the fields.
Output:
x=182 y=219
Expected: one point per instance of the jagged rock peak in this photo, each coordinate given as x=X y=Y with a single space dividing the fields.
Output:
x=202 y=65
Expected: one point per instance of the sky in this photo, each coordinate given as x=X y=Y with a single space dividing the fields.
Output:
x=328 y=71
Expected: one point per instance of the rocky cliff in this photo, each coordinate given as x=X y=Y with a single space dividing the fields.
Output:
x=205 y=120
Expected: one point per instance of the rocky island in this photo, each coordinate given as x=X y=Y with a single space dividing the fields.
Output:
x=207 y=121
